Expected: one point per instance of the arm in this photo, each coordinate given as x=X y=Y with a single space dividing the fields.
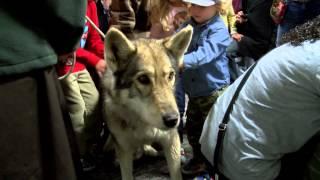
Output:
x=123 y=16
x=210 y=47
x=94 y=43
x=231 y=20
x=93 y=52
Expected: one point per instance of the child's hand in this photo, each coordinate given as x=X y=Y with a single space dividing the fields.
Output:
x=63 y=58
x=101 y=67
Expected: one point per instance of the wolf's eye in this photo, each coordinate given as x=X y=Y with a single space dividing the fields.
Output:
x=171 y=76
x=144 y=79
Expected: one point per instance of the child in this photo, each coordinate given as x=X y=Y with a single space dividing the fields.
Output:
x=166 y=17
x=80 y=91
x=205 y=72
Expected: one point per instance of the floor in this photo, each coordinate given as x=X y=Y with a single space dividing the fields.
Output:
x=146 y=168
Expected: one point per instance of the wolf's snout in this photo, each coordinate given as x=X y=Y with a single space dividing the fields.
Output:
x=170 y=120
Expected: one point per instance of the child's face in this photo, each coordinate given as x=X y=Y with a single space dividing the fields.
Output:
x=202 y=14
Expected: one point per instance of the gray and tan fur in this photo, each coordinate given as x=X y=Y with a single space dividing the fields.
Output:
x=138 y=96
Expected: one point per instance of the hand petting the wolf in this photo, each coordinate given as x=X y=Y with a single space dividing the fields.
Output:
x=101 y=67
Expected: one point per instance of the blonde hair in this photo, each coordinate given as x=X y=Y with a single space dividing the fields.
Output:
x=223 y=6
x=160 y=13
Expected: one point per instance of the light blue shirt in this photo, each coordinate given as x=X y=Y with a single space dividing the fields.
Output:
x=205 y=62
x=277 y=112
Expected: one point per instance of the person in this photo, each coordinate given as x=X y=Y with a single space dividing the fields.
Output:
x=229 y=18
x=204 y=72
x=104 y=15
x=275 y=114
x=256 y=30
x=80 y=90
x=131 y=17
x=166 y=17
x=36 y=135
x=297 y=12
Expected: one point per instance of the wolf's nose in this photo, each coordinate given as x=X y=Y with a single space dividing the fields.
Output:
x=170 y=120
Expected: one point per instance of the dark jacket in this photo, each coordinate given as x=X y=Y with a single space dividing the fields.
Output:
x=34 y=32
x=130 y=15
x=258 y=30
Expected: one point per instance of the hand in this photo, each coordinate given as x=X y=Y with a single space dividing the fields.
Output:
x=101 y=67
x=63 y=58
x=241 y=17
x=237 y=36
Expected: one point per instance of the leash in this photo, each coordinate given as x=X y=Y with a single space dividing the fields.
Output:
x=95 y=27
x=224 y=123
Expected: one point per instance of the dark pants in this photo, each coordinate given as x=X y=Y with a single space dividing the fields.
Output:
x=197 y=111
x=36 y=136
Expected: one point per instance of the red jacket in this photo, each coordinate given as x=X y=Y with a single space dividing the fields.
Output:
x=91 y=48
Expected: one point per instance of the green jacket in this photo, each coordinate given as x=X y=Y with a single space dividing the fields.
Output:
x=33 y=33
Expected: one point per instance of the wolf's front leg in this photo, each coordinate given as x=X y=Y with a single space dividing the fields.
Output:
x=126 y=163
x=171 y=149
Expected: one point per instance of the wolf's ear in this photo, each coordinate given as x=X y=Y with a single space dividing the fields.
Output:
x=118 y=48
x=178 y=43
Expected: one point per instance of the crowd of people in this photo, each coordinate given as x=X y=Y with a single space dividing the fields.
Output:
x=49 y=127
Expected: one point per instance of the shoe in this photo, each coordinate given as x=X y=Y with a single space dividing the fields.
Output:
x=87 y=164
x=194 y=167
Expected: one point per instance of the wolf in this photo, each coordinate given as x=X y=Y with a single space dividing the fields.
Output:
x=138 y=96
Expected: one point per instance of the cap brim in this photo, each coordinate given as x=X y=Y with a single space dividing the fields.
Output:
x=201 y=3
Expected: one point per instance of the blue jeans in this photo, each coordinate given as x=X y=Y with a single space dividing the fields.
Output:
x=297 y=13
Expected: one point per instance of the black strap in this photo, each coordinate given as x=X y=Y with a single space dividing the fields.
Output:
x=224 y=123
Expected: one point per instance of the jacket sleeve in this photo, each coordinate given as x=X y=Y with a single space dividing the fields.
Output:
x=94 y=49
x=63 y=23
x=231 y=20
x=123 y=16
x=209 y=48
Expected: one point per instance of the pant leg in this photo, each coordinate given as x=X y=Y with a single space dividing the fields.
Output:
x=197 y=111
x=33 y=133
x=92 y=118
x=294 y=15
x=234 y=60
x=75 y=107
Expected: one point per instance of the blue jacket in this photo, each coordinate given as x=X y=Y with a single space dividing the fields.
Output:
x=205 y=62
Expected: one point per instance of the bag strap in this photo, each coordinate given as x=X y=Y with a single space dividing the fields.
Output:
x=224 y=123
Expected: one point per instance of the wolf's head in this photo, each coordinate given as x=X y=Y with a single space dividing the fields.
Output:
x=140 y=79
